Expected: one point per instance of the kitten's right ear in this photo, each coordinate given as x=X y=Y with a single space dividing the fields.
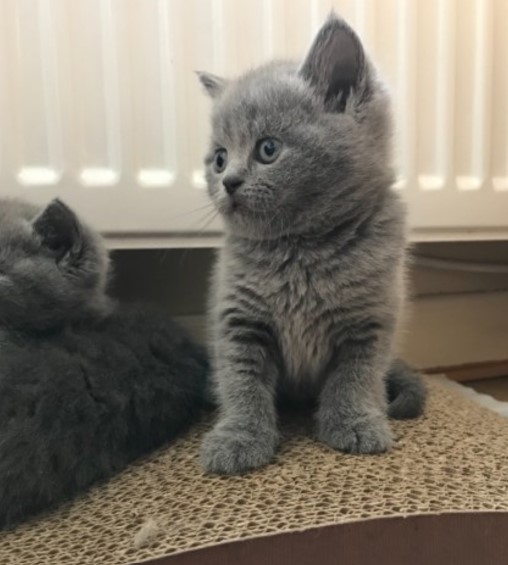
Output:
x=213 y=84
x=59 y=228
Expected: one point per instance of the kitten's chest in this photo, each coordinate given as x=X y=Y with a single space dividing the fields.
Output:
x=300 y=300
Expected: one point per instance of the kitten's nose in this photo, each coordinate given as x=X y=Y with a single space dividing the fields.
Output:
x=232 y=183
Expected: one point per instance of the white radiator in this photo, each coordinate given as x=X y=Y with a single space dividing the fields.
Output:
x=99 y=103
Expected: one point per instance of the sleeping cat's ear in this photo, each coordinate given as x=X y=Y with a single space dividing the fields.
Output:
x=59 y=228
x=214 y=85
x=335 y=63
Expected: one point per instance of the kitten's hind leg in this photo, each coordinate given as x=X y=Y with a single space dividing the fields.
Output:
x=352 y=413
x=246 y=435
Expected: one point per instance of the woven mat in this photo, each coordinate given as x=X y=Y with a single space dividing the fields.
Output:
x=453 y=459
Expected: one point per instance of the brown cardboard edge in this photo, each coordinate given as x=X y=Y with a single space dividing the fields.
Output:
x=471 y=371
x=473 y=538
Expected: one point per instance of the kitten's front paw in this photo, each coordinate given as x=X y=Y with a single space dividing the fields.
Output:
x=234 y=450
x=364 y=434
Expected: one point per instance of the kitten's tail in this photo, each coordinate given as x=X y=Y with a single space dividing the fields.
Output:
x=406 y=391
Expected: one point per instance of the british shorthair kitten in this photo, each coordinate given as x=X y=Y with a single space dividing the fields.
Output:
x=308 y=288
x=86 y=386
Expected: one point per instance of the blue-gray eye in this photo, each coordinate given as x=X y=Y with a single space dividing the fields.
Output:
x=220 y=160
x=267 y=150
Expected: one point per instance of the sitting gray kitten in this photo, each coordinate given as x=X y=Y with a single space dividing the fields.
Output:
x=85 y=386
x=309 y=285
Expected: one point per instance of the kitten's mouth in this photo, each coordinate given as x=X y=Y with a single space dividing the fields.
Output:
x=236 y=207
x=232 y=207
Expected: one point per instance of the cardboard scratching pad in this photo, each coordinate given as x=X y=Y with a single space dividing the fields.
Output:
x=453 y=460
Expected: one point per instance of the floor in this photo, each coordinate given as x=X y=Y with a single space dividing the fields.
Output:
x=498 y=387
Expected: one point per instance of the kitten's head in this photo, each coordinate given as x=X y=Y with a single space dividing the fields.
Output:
x=296 y=149
x=53 y=268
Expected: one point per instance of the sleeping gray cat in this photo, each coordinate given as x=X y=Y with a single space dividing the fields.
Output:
x=308 y=288
x=86 y=386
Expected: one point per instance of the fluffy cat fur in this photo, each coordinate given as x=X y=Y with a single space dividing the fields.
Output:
x=85 y=386
x=309 y=285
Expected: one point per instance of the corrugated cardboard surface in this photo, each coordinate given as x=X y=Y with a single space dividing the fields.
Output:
x=455 y=459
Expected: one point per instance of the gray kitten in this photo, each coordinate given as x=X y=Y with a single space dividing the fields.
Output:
x=309 y=286
x=86 y=385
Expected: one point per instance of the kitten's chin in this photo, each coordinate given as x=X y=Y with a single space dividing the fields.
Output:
x=250 y=227
x=237 y=219
x=233 y=212
x=230 y=207
x=252 y=224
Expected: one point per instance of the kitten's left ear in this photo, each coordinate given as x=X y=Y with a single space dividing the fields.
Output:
x=213 y=84
x=336 y=62
x=59 y=228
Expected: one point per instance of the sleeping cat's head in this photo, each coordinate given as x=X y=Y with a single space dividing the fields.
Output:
x=294 y=148
x=53 y=269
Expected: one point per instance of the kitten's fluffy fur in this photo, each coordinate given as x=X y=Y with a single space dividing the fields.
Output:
x=85 y=386
x=309 y=285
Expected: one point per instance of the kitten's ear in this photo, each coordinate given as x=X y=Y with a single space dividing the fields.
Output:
x=336 y=61
x=214 y=85
x=59 y=228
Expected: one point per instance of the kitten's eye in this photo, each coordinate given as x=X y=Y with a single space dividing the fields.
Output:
x=267 y=150
x=220 y=160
